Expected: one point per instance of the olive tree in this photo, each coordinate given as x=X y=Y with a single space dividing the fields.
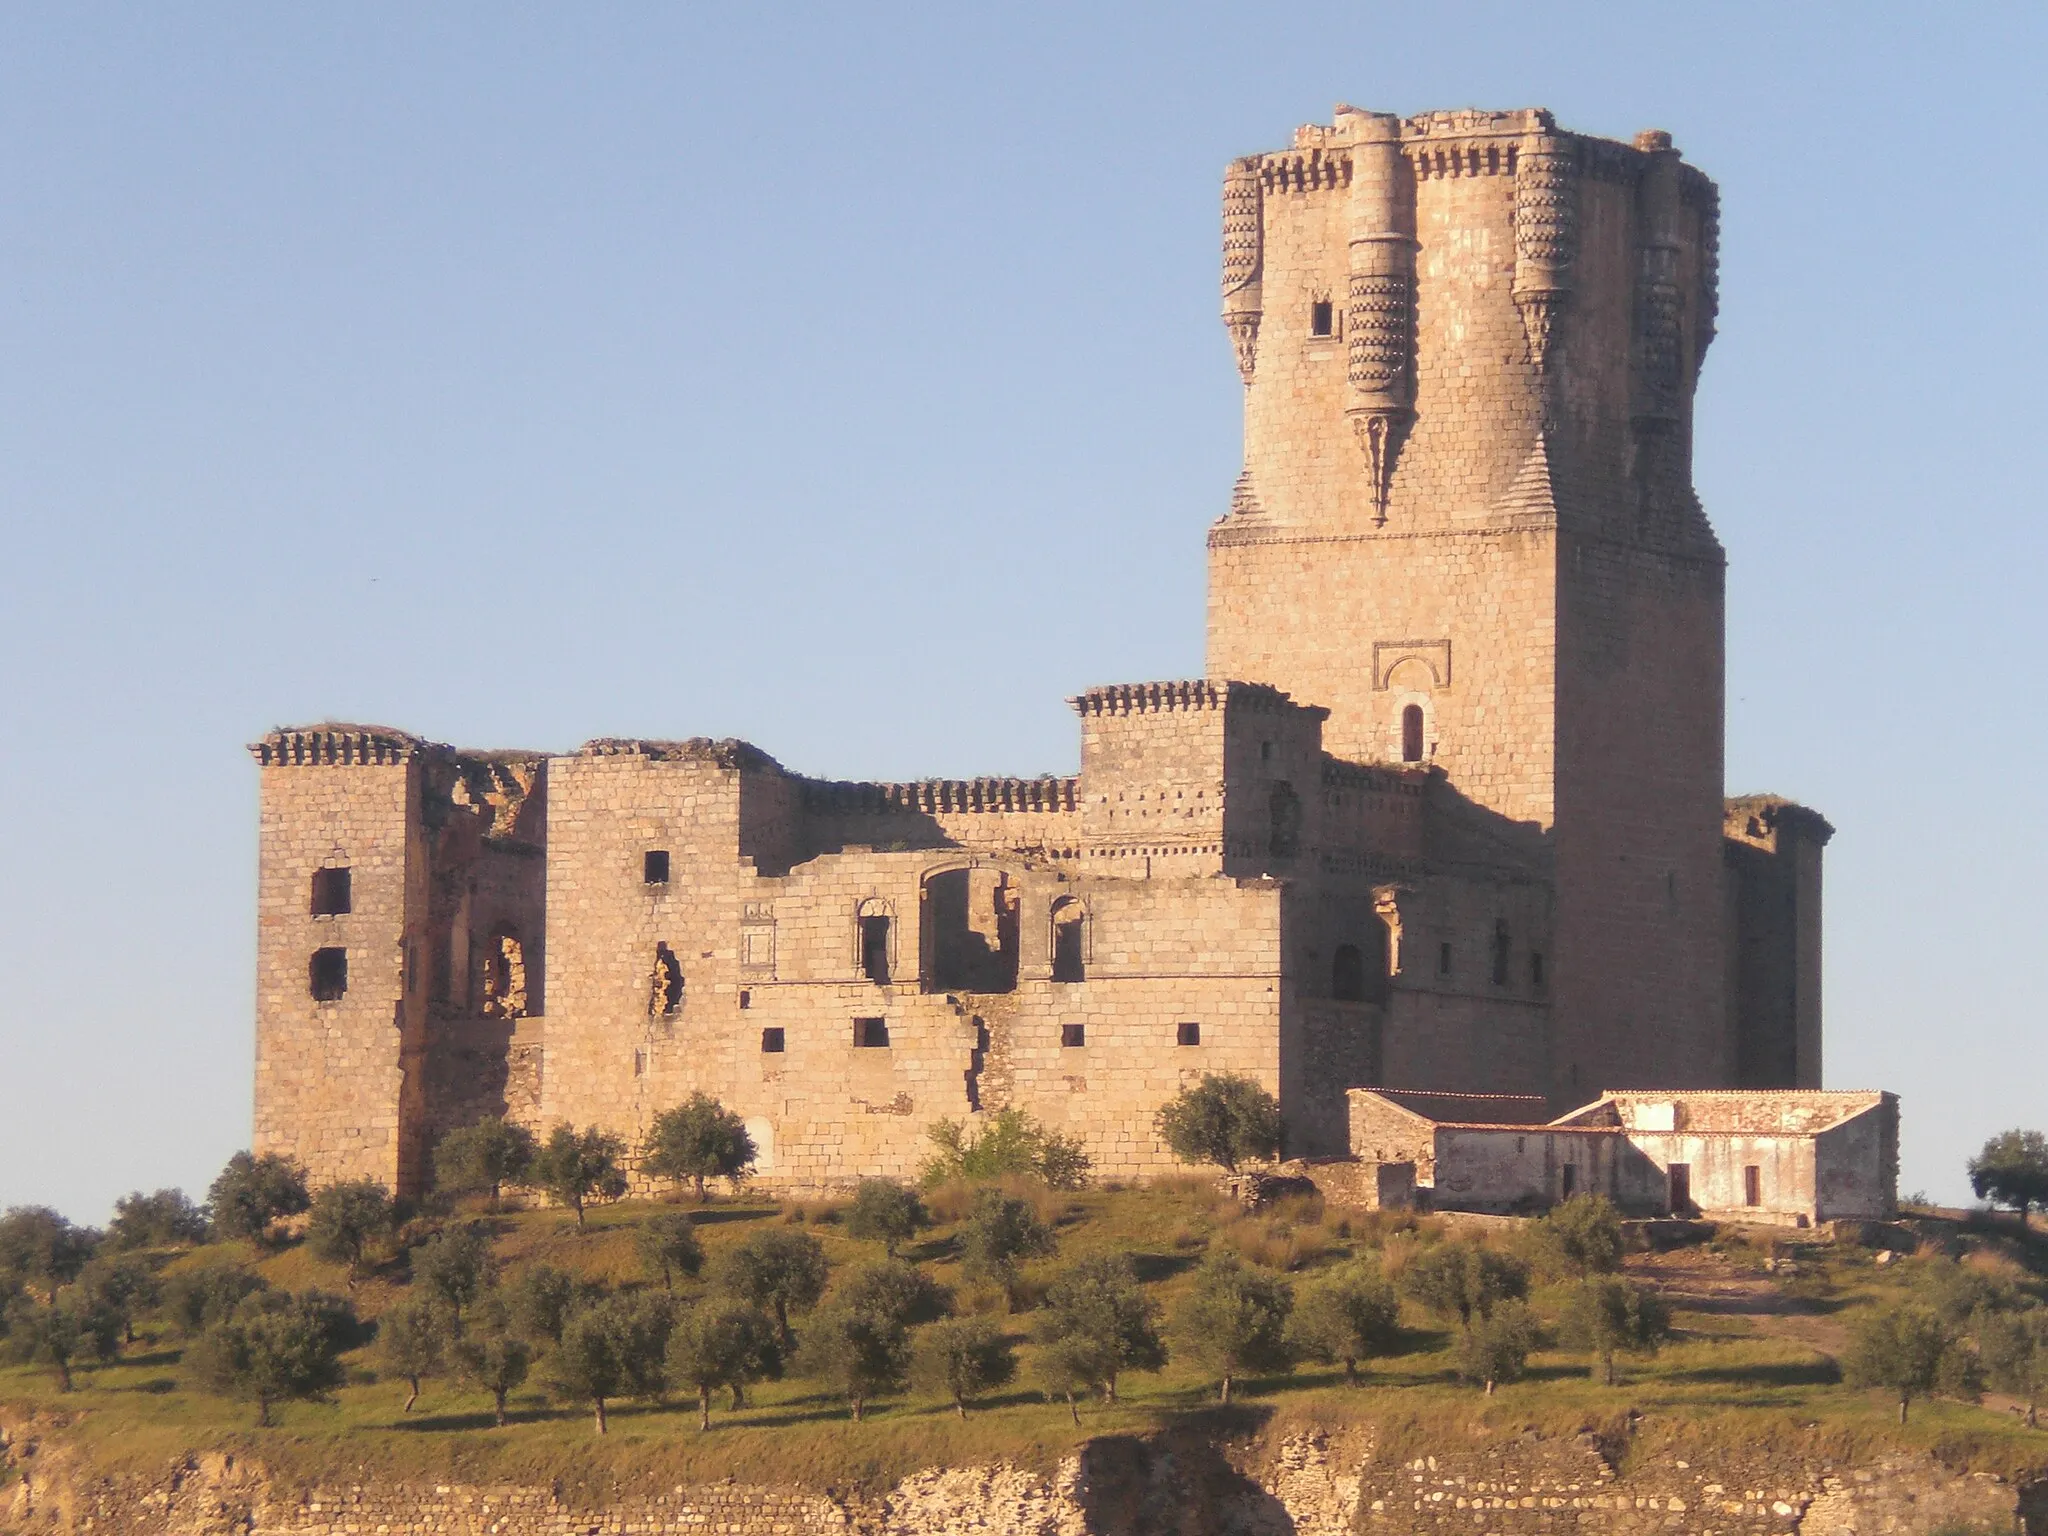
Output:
x=697 y=1140
x=1225 y=1120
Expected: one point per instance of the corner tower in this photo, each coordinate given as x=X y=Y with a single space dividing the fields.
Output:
x=1466 y=523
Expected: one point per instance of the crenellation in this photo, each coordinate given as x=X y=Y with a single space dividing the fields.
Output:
x=1445 y=813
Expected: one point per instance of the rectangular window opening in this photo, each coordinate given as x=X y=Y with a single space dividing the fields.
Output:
x=1443 y=959
x=1322 y=318
x=328 y=975
x=1188 y=1033
x=331 y=897
x=1681 y=1189
x=771 y=1040
x=874 y=949
x=1535 y=968
x=654 y=866
x=1571 y=1180
x=871 y=1034
x=1752 y=1186
x=746 y=998
x=1073 y=1034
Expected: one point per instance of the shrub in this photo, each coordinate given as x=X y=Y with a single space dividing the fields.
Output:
x=885 y=1212
x=454 y=1266
x=1463 y=1280
x=538 y=1302
x=1605 y=1315
x=668 y=1246
x=1097 y=1323
x=2015 y=1351
x=1578 y=1238
x=575 y=1167
x=1011 y=1143
x=126 y=1286
x=722 y=1343
x=485 y=1156
x=777 y=1269
x=347 y=1220
x=1226 y=1120
x=198 y=1299
x=1349 y=1315
x=40 y=1248
x=253 y=1192
x=75 y=1326
x=900 y=1292
x=1495 y=1346
x=960 y=1358
x=1001 y=1232
x=166 y=1219
x=1904 y=1348
x=274 y=1348
x=697 y=1140
x=1233 y=1320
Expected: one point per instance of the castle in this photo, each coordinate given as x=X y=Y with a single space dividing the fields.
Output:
x=1445 y=814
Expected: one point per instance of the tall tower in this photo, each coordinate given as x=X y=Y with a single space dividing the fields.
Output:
x=1466 y=523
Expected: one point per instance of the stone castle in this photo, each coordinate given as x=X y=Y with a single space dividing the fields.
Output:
x=1446 y=813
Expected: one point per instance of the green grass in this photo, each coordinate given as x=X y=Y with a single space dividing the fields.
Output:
x=1731 y=1377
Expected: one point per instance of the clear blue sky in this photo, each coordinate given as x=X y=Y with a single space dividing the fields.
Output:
x=850 y=379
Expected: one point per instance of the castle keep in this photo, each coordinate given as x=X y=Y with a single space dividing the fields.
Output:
x=1445 y=814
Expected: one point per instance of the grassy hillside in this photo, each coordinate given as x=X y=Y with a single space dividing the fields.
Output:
x=1762 y=1320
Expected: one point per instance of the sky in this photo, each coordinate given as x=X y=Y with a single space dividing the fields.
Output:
x=849 y=379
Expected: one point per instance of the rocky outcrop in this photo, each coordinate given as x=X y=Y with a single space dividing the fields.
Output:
x=1302 y=1481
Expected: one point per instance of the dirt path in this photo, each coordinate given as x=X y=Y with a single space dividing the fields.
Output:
x=1694 y=1280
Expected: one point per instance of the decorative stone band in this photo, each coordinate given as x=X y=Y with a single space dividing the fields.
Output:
x=941 y=796
x=327 y=746
x=1316 y=171
x=1698 y=192
x=1199 y=693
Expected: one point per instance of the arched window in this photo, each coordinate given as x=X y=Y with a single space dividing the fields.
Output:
x=1411 y=733
x=875 y=945
x=1347 y=974
x=1069 y=940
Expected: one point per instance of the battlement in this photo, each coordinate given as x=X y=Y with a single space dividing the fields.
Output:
x=337 y=745
x=1187 y=695
x=936 y=797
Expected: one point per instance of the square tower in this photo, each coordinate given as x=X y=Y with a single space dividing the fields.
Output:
x=1466 y=523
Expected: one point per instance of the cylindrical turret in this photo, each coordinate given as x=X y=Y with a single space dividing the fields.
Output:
x=1546 y=238
x=1243 y=247
x=1380 y=313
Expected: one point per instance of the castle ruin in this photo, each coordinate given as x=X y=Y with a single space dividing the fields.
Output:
x=1446 y=812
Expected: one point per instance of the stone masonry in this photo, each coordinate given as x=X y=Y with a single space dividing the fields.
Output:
x=1446 y=814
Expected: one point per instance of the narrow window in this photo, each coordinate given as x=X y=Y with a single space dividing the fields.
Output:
x=1265 y=751
x=1502 y=947
x=1347 y=974
x=665 y=984
x=639 y=1063
x=1411 y=733
x=871 y=1034
x=1069 y=938
x=1187 y=1033
x=1073 y=1034
x=746 y=998
x=328 y=975
x=1443 y=959
x=874 y=949
x=654 y=866
x=1571 y=1180
x=1322 y=317
x=771 y=1040
x=1284 y=837
x=1752 y=1186
x=331 y=892
x=1681 y=1189
x=1535 y=967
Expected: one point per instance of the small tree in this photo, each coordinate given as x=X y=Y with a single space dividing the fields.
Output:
x=42 y=1249
x=76 y=1326
x=253 y=1192
x=413 y=1338
x=2012 y=1170
x=1000 y=1233
x=668 y=1246
x=1226 y=1120
x=485 y=1156
x=1233 y=1320
x=961 y=1357
x=2015 y=1350
x=777 y=1269
x=1495 y=1346
x=1605 y=1315
x=1097 y=1323
x=1463 y=1280
x=125 y=1285
x=893 y=1289
x=722 y=1343
x=574 y=1167
x=697 y=1140
x=612 y=1349
x=538 y=1303
x=275 y=1348
x=200 y=1298
x=166 y=1219
x=347 y=1221
x=885 y=1212
x=1009 y=1143
x=858 y=1354
x=1350 y=1315
x=1904 y=1348
x=1578 y=1238
x=453 y=1266
x=490 y=1356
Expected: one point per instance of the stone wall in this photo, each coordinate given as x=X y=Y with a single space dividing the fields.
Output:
x=1303 y=1481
